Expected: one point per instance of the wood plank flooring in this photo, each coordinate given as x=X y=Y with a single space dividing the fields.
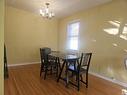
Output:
x=25 y=80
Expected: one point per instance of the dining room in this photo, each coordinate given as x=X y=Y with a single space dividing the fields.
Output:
x=65 y=47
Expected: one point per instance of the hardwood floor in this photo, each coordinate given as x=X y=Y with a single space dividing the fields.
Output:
x=25 y=80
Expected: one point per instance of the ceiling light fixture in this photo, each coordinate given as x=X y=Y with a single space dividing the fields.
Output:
x=46 y=13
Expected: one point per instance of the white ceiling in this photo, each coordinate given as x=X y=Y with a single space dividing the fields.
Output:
x=61 y=8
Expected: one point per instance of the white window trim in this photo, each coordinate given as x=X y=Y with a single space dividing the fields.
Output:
x=71 y=22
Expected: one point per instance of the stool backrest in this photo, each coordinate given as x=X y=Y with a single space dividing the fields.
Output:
x=85 y=61
x=44 y=54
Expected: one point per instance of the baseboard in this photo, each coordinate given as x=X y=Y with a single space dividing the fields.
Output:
x=109 y=79
x=20 y=64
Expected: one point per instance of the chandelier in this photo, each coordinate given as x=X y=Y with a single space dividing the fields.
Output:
x=46 y=13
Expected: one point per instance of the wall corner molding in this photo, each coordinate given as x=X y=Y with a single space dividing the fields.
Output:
x=109 y=79
x=20 y=64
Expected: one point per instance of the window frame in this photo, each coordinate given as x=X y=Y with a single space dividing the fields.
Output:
x=69 y=37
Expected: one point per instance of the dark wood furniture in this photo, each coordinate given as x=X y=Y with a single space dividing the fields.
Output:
x=6 y=75
x=66 y=59
x=48 y=63
x=81 y=68
x=74 y=63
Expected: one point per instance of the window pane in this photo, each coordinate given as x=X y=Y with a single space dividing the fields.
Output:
x=74 y=29
x=73 y=32
x=73 y=43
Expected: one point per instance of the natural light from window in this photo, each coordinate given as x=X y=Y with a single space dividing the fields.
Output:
x=115 y=30
x=73 y=35
x=124 y=33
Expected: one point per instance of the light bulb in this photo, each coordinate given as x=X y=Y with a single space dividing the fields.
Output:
x=47 y=11
x=53 y=14
x=40 y=11
x=43 y=14
x=50 y=15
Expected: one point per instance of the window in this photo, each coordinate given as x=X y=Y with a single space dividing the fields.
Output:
x=73 y=34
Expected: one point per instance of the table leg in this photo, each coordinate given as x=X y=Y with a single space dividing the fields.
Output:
x=57 y=70
x=59 y=63
x=67 y=79
x=61 y=71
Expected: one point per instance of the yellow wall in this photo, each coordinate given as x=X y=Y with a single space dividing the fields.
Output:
x=1 y=45
x=25 y=33
x=107 y=60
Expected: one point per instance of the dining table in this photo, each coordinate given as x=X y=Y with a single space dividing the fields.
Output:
x=66 y=59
